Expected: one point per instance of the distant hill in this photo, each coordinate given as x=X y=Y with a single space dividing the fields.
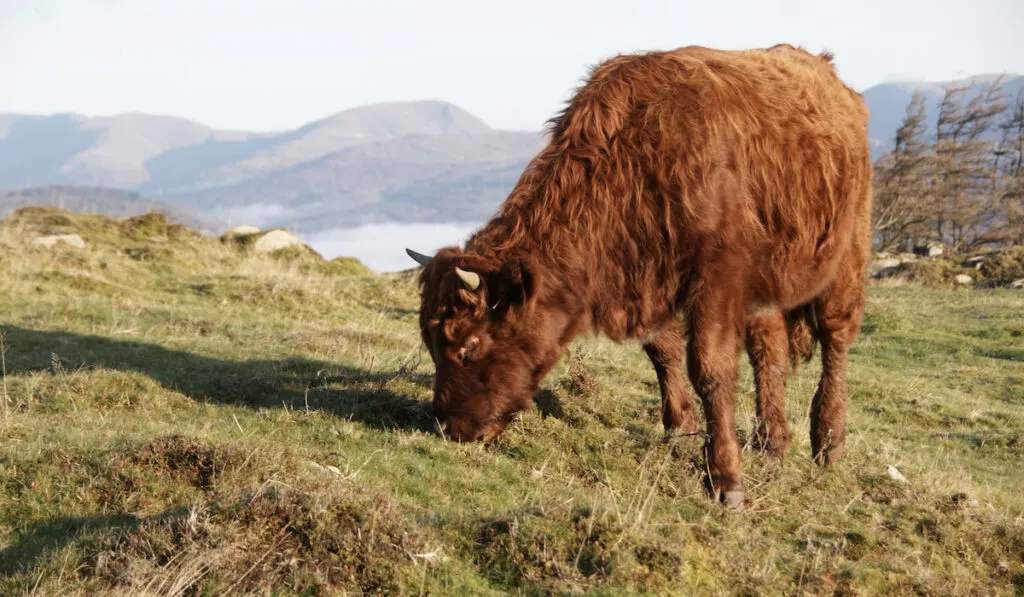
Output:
x=109 y=151
x=419 y=161
x=109 y=202
x=219 y=162
x=404 y=161
x=414 y=178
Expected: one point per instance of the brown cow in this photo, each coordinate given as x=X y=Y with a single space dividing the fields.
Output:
x=689 y=199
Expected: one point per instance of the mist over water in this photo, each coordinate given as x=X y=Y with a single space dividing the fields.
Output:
x=382 y=246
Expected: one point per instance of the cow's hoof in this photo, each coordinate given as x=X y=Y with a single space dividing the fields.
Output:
x=733 y=499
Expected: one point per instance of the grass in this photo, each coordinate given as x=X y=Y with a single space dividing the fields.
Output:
x=186 y=417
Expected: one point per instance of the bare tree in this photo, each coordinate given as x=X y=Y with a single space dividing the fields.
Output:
x=901 y=196
x=965 y=164
x=1010 y=172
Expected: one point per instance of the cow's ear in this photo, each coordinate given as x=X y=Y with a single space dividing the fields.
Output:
x=512 y=286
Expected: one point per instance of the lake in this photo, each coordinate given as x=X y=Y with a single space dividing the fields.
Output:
x=381 y=247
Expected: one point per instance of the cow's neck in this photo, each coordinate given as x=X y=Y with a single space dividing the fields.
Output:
x=536 y=223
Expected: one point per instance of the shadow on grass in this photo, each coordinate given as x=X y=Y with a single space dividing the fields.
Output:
x=53 y=535
x=360 y=395
x=549 y=404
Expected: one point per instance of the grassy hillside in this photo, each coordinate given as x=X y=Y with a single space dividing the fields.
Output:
x=187 y=417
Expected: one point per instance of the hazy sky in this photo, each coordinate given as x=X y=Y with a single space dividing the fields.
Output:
x=271 y=65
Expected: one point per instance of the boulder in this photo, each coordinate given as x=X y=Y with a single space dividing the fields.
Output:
x=274 y=240
x=885 y=263
x=881 y=268
x=244 y=229
x=1017 y=284
x=930 y=249
x=72 y=240
x=963 y=279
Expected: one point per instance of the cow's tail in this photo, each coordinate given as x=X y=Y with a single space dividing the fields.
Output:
x=802 y=330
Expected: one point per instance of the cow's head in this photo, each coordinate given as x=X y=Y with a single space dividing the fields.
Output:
x=491 y=336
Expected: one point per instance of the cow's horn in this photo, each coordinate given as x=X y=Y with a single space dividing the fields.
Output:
x=470 y=279
x=419 y=258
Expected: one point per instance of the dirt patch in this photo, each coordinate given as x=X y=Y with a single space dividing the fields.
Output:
x=581 y=381
x=178 y=455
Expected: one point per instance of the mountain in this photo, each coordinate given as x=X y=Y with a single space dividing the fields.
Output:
x=378 y=181
x=888 y=102
x=216 y=163
x=417 y=161
x=361 y=165
x=107 y=151
x=110 y=202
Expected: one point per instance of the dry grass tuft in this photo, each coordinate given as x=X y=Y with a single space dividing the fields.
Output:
x=312 y=542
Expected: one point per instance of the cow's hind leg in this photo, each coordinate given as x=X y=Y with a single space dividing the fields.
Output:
x=667 y=351
x=712 y=358
x=768 y=349
x=839 y=311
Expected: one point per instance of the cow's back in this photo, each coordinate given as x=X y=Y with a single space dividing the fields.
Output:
x=666 y=167
x=769 y=157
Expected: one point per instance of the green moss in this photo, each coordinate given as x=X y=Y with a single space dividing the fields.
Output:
x=153 y=225
x=346 y=266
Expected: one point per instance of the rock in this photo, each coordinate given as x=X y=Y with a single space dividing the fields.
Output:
x=896 y=475
x=886 y=263
x=1019 y=284
x=69 y=239
x=880 y=268
x=244 y=229
x=274 y=240
x=930 y=249
x=963 y=279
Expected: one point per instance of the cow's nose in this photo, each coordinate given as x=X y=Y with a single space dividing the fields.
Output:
x=441 y=427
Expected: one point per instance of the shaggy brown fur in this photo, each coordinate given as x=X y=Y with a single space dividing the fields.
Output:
x=730 y=189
